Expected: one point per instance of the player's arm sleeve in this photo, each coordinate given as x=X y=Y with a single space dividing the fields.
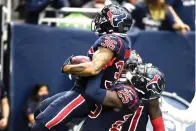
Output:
x=98 y=95
x=93 y=91
x=127 y=96
x=119 y=97
x=155 y=115
x=111 y=42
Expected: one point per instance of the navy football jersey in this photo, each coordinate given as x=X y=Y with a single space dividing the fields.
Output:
x=138 y=121
x=106 y=119
x=109 y=120
x=121 y=48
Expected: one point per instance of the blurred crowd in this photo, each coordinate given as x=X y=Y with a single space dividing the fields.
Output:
x=151 y=15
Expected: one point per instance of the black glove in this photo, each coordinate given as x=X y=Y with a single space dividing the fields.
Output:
x=67 y=62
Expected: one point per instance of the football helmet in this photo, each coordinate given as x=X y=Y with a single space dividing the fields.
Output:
x=112 y=19
x=133 y=61
x=148 y=80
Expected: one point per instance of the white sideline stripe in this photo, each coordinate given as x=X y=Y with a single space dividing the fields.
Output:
x=62 y=111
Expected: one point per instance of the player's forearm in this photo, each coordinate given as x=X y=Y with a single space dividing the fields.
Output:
x=83 y=69
x=5 y=108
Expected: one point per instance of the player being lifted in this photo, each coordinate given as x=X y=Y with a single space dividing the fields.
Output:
x=107 y=56
x=149 y=83
x=149 y=108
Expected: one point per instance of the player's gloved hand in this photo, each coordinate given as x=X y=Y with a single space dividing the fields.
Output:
x=67 y=62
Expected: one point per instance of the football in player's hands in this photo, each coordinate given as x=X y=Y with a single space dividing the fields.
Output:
x=80 y=59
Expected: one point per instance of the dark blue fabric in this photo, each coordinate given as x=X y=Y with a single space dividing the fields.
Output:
x=44 y=104
x=93 y=91
x=39 y=52
x=78 y=109
x=109 y=41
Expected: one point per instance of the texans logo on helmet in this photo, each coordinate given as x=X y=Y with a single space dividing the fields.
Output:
x=115 y=20
x=154 y=83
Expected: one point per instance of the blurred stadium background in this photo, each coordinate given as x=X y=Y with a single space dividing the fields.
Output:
x=33 y=53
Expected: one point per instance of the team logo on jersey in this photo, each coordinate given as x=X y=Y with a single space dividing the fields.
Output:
x=153 y=85
x=116 y=19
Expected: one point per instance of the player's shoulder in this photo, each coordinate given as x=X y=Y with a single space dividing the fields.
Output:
x=121 y=85
x=128 y=96
x=114 y=38
x=110 y=41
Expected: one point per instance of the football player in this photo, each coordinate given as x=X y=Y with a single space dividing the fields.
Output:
x=108 y=55
x=149 y=83
x=148 y=108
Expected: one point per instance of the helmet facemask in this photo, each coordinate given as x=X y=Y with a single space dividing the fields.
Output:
x=147 y=80
x=100 y=24
x=112 y=19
